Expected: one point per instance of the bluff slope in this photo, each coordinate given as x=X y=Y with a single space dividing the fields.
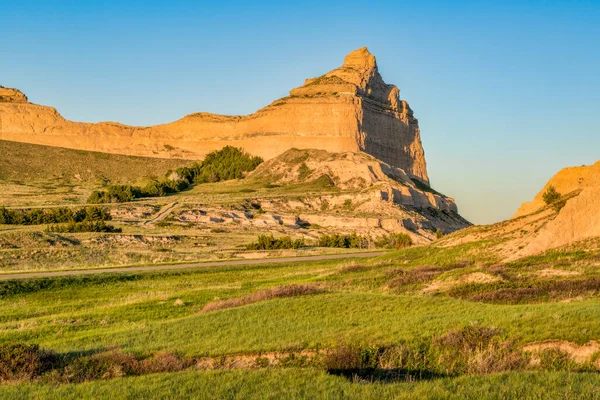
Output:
x=573 y=221
x=349 y=109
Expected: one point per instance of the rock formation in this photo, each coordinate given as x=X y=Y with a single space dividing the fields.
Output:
x=349 y=109
x=392 y=200
x=579 y=219
x=11 y=96
x=566 y=181
x=572 y=222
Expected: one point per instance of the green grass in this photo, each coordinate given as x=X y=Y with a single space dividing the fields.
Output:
x=139 y=313
x=145 y=313
x=52 y=162
x=313 y=384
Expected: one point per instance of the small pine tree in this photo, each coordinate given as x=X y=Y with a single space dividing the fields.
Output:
x=551 y=196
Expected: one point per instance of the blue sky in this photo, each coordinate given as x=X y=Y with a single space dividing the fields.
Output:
x=506 y=93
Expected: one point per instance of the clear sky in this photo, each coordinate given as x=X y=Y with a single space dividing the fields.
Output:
x=506 y=93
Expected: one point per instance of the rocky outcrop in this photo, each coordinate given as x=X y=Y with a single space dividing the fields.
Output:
x=572 y=222
x=579 y=219
x=349 y=109
x=358 y=184
x=11 y=96
x=566 y=181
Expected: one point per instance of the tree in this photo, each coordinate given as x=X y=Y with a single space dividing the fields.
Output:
x=551 y=196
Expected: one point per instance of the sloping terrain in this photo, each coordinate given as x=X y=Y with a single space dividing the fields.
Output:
x=567 y=222
x=566 y=181
x=26 y=162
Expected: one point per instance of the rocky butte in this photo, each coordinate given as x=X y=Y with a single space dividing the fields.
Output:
x=349 y=109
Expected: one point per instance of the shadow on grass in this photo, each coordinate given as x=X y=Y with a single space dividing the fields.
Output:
x=378 y=375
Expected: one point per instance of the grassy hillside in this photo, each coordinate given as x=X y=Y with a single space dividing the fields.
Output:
x=419 y=297
x=25 y=162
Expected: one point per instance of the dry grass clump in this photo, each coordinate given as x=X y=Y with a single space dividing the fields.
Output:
x=528 y=291
x=22 y=362
x=262 y=295
x=470 y=350
x=19 y=361
x=415 y=275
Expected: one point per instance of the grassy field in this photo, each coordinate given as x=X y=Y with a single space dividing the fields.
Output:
x=446 y=320
x=357 y=301
x=310 y=384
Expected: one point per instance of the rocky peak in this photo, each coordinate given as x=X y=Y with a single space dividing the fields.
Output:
x=360 y=59
x=8 y=95
x=357 y=76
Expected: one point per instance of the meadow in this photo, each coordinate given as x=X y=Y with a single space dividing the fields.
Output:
x=451 y=319
x=358 y=302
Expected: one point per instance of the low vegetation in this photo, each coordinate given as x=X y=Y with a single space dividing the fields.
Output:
x=342 y=316
x=553 y=198
x=227 y=163
x=37 y=216
x=269 y=242
x=85 y=226
x=125 y=193
x=551 y=195
x=355 y=241
x=262 y=295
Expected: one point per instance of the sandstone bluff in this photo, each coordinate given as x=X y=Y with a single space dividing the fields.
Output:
x=349 y=109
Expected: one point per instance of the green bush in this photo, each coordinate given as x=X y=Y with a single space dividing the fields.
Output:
x=268 y=242
x=355 y=241
x=394 y=241
x=37 y=216
x=352 y=241
x=85 y=226
x=227 y=163
x=551 y=196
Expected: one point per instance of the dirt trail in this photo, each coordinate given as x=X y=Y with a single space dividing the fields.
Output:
x=162 y=213
x=190 y=265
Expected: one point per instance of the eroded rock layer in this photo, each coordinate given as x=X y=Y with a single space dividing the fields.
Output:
x=349 y=109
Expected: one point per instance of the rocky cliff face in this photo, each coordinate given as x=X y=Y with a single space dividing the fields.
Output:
x=349 y=109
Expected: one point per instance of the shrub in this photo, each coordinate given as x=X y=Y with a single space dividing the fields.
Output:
x=352 y=241
x=85 y=226
x=113 y=364
x=227 y=163
x=23 y=361
x=551 y=196
x=355 y=241
x=394 y=241
x=39 y=216
x=470 y=350
x=268 y=242
x=438 y=234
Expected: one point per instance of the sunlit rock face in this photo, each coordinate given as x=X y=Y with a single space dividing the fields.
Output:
x=349 y=109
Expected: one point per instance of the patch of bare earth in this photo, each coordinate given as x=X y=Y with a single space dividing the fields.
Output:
x=577 y=353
